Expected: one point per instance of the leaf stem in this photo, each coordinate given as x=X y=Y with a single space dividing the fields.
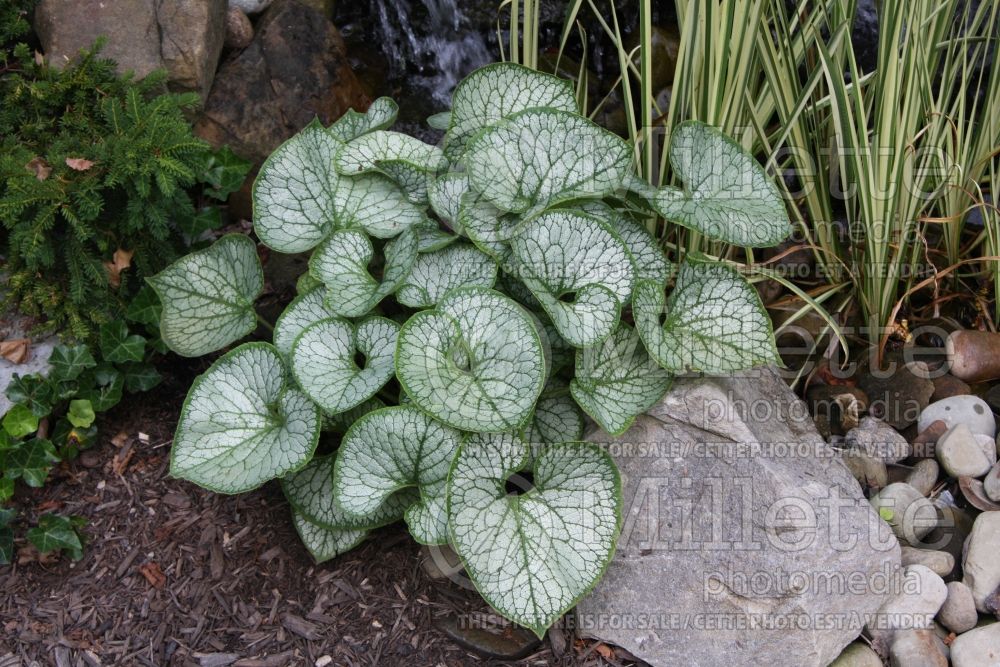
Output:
x=264 y=323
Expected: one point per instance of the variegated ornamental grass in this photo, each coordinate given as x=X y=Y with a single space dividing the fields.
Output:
x=466 y=310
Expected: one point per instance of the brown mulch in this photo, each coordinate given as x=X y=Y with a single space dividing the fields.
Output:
x=174 y=575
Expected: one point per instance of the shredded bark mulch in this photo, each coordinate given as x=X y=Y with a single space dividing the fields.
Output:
x=174 y=575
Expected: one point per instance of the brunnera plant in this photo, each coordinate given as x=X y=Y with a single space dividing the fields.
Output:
x=466 y=309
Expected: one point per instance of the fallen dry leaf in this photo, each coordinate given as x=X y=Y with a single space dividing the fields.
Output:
x=122 y=459
x=39 y=167
x=153 y=574
x=49 y=505
x=79 y=163
x=15 y=351
x=122 y=260
x=120 y=439
x=606 y=651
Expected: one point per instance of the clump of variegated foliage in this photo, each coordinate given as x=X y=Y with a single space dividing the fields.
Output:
x=464 y=313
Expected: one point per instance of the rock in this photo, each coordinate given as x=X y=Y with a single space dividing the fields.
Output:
x=251 y=6
x=239 y=30
x=699 y=527
x=974 y=355
x=441 y=562
x=958 y=613
x=876 y=438
x=988 y=445
x=840 y=405
x=992 y=398
x=973 y=411
x=870 y=472
x=917 y=598
x=857 y=654
x=977 y=648
x=991 y=483
x=940 y=563
x=916 y=648
x=182 y=36
x=953 y=527
x=898 y=397
x=924 y=476
x=295 y=69
x=961 y=455
x=946 y=386
x=980 y=564
x=908 y=513
x=477 y=633
x=924 y=444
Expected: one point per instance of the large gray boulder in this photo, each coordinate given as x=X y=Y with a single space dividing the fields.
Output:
x=745 y=540
x=184 y=37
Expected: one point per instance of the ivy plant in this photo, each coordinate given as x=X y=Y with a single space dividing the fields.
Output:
x=467 y=309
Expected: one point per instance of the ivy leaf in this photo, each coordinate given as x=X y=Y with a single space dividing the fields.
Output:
x=33 y=392
x=6 y=532
x=538 y=158
x=475 y=362
x=311 y=494
x=381 y=114
x=325 y=543
x=579 y=271
x=392 y=449
x=341 y=263
x=304 y=310
x=145 y=308
x=293 y=196
x=104 y=387
x=556 y=419
x=224 y=172
x=20 y=421
x=117 y=346
x=69 y=361
x=406 y=160
x=496 y=91
x=616 y=380
x=243 y=424
x=533 y=556
x=324 y=363
x=445 y=195
x=140 y=377
x=208 y=296
x=30 y=461
x=727 y=194
x=57 y=533
x=435 y=273
x=81 y=413
x=714 y=321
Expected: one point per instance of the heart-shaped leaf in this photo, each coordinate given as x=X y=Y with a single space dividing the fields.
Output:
x=242 y=424
x=578 y=269
x=616 y=380
x=439 y=121
x=445 y=195
x=475 y=362
x=341 y=421
x=538 y=158
x=435 y=273
x=713 y=321
x=305 y=310
x=341 y=263
x=409 y=162
x=486 y=226
x=647 y=255
x=29 y=460
x=381 y=114
x=431 y=237
x=293 y=196
x=496 y=91
x=324 y=543
x=727 y=195
x=311 y=494
x=208 y=296
x=324 y=364
x=392 y=449
x=69 y=361
x=556 y=418
x=375 y=204
x=533 y=556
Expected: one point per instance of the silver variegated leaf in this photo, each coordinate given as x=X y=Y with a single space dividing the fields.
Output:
x=445 y=195
x=406 y=160
x=475 y=362
x=243 y=423
x=616 y=380
x=493 y=92
x=431 y=237
x=381 y=114
x=323 y=361
x=533 y=556
x=713 y=321
x=435 y=273
x=303 y=311
x=727 y=195
x=324 y=544
x=486 y=226
x=556 y=418
x=341 y=263
x=375 y=204
x=208 y=296
x=578 y=269
x=392 y=449
x=538 y=158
